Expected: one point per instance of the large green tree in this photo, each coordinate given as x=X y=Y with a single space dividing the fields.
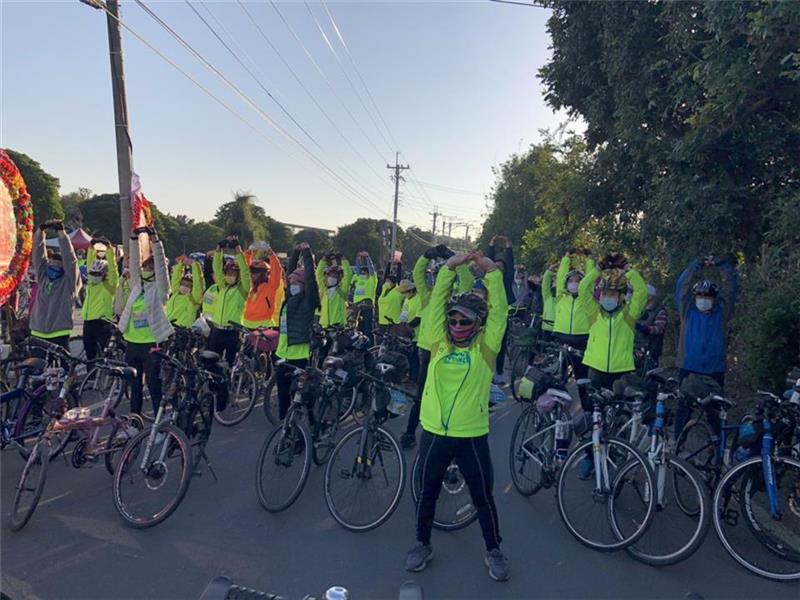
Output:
x=42 y=186
x=318 y=240
x=371 y=235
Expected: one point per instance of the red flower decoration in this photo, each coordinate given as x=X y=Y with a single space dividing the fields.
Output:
x=23 y=215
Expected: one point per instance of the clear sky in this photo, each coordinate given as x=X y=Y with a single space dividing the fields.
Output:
x=454 y=81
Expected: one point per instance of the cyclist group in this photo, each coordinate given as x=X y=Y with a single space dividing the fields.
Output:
x=454 y=307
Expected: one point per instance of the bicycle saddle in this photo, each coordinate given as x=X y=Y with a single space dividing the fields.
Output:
x=207 y=356
x=633 y=393
x=333 y=363
x=32 y=365
x=718 y=402
x=384 y=368
x=127 y=373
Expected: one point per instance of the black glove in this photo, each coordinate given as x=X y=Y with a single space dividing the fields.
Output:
x=42 y=226
x=57 y=225
x=432 y=253
x=223 y=243
x=444 y=251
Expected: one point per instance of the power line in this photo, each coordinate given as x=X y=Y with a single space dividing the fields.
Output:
x=254 y=105
x=452 y=190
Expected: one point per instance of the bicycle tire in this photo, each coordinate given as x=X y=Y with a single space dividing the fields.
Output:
x=244 y=408
x=37 y=456
x=287 y=450
x=328 y=410
x=335 y=512
x=347 y=402
x=703 y=462
x=59 y=440
x=271 y=408
x=722 y=496
x=528 y=420
x=623 y=449
x=698 y=534
x=131 y=453
x=518 y=367
x=117 y=441
x=469 y=513
x=96 y=382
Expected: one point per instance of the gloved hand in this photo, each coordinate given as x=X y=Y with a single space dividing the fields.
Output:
x=444 y=252
x=432 y=253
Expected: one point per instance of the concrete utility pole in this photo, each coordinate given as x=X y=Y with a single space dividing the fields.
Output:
x=434 y=214
x=397 y=177
x=124 y=145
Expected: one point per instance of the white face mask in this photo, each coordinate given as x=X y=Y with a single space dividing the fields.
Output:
x=231 y=279
x=295 y=289
x=704 y=304
x=184 y=289
x=95 y=278
x=332 y=281
x=572 y=287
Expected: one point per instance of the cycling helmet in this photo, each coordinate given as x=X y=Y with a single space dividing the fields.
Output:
x=259 y=265
x=334 y=270
x=705 y=288
x=230 y=265
x=574 y=273
x=613 y=282
x=98 y=267
x=470 y=305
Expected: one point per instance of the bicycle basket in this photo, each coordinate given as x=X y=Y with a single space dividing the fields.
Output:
x=700 y=386
x=534 y=383
x=399 y=402
x=265 y=340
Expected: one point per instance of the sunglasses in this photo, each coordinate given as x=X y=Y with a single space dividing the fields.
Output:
x=461 y=322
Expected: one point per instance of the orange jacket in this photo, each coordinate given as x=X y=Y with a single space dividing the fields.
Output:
x=261 y=306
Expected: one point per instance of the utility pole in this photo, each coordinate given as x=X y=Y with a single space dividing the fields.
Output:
x=466 y=234
x=450 y=229
x=397 y=177
x=434 y=214
x=124 y=145
x=444 y=224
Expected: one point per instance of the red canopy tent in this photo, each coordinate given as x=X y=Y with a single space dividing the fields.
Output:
x=80 y=240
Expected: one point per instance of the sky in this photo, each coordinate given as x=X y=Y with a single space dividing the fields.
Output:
x=452 y=86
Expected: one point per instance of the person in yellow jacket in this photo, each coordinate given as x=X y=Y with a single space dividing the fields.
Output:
x=390 y=300
x=573 y=312
x=609 y=352
x=365 y=288
x=233 y=283
x=186 y=294
x=333 y=275
x=98 y=306
x=466 y=334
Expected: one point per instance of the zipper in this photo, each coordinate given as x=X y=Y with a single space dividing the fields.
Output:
x=608 y=355
x=453 y=405
x=571 y=312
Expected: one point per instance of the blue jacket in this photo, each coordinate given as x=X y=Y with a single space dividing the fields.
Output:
x=703 y=336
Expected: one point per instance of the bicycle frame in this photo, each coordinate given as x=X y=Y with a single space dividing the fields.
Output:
x=719 y=443
x=768 y=468
x=599 y=452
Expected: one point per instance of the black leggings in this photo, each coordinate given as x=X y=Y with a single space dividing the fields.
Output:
x=96 y=333
x=224 y=342
x=474 y=461
x=283 y=380
x=138 y=356
x=578 y=342
x=501 y=356
x=413 y=415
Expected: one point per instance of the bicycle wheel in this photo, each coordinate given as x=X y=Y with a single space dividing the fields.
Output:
x=270 y=395
x=363 y=489
x=283 y=465
x=518 y=368
x=454 y=509
x=673 y=535
x=30 y=486
x=586 y=507
x=121 y=433
x=326 y=425
x=33 y=426
x=146 y=492
x=241 y=399
x=347 y=402
x=95 y=386
x=529 y=451
x=696 y=445
x=762 y=544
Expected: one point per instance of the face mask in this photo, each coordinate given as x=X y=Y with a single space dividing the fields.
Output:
x=148 y=276
x=572 y=287
x=608 y=304
x=519 y=278
x=704 y=304
x=332 y=281
x=231 y=279
x=54 y=273
x=101 y=255
x=460 y=333
x=295 y=289
x=95 y=278
x=184 y=289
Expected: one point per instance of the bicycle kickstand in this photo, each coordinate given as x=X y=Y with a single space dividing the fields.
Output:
x=208 y=464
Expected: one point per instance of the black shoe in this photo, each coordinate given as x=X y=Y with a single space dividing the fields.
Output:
x=418 y=557
x=498 y=565
x=408 y=441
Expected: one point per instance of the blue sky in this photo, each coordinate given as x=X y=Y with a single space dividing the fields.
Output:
x=455 y=82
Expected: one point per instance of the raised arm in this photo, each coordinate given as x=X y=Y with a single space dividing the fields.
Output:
x=68 y=257
x=112 y=274
x=498 y=310
x=244 y=274
x=347 y=277
x=198 y=285
x=434 y=322
x=547 y=285
x=39 y=249
x=216 y=265
x=312 y=291
x=683 y=288
x=561 y=276
x=418 y=275
x=161 y=269
x=727 y=295
x=639 y=296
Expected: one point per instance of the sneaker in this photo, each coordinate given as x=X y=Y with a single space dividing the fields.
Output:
x=586 y=471
x=499 y=379
x=498 y=564
x=418 y=557
x=408 y=441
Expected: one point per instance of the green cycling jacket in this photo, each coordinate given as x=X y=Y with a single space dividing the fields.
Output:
x=573 y=313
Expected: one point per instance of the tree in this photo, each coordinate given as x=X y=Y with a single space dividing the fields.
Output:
x=364 y=234
x=242 y=217
x=279 y=235
x=71 y=204
x=101 y=216
x=415 y=242
x=319 y=241
x=42 y=187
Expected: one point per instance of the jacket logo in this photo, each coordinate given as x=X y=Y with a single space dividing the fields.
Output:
x=456 y=358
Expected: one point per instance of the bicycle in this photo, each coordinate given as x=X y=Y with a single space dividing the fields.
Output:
x=616 y=503
x=174 y=442
x=316 y=399
x=250 y=367
x=96 y=382
x=454 y=508
x=765 y=491
x=365 y=475
x=682 y=508
x=88 y=450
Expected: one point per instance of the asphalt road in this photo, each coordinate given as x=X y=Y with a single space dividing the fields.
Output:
x=76 y=546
